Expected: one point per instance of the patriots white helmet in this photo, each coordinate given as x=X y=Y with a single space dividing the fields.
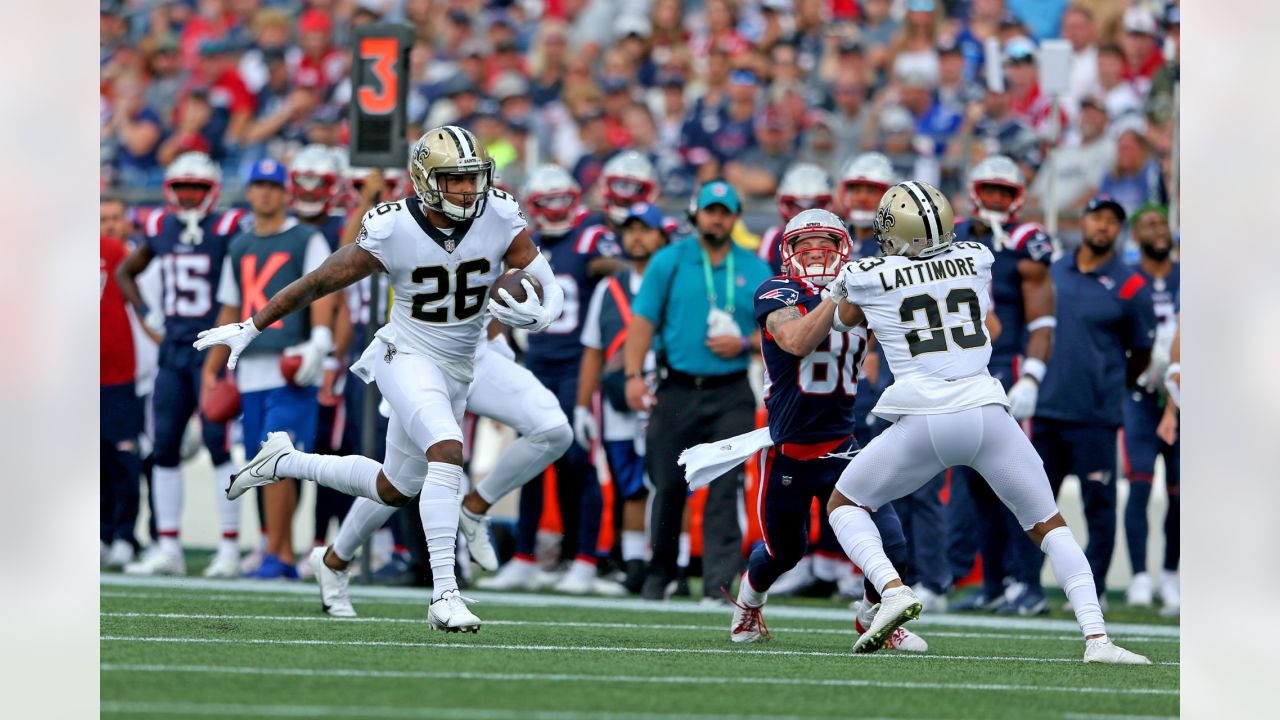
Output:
x=551 y=197
x=191 y=185
x=315 y=180
x=804 y=186
x=628 y=178
x=998 y=171
x=818 y=265
x=863 y=181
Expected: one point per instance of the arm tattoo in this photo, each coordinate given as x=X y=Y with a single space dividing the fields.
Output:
x=781 y=317
x=349 y=264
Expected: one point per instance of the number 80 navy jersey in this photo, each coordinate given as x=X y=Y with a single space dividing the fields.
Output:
x=809 y=399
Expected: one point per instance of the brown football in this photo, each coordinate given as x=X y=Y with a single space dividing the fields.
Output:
x=510 y=281
x=222 y=402
x=289 y=366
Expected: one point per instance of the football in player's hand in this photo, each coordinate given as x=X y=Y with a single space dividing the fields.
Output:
x=511 y=282
x=289 y=366
x=222 y=401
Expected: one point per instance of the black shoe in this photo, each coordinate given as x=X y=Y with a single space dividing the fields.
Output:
x=634 y=581
x=655 y=588
x=682 y=585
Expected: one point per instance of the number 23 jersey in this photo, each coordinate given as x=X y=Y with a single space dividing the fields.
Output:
x=809 y=399
x=440 y=277
x=929 y=314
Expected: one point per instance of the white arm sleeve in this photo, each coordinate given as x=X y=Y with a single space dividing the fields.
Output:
x=553 y=294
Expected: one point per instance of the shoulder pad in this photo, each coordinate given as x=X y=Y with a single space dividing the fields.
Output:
x=380 y=225
x=155 y=221
x=229 y=223
x=866 y=264
x=503 y=203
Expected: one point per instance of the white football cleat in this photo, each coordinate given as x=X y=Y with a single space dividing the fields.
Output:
x=892 y=612
x=451 y=614
x=333 y=585
x=1139 y=593
x=120 y=554
x=158 y=562
x=900 y=639
x=475 y=528
x=1170 y=597
x=261 y=469
x=582 y=578
x=748 y=622
x=517 y=574
x=225 y=563
x=1102 y=650
x=931 y=601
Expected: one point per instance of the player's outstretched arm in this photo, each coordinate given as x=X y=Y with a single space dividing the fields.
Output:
x=348 y=265
x=800 y=333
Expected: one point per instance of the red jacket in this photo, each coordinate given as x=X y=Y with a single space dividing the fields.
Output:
x=115 y=334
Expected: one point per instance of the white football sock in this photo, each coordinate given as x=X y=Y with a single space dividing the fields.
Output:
x=354 y=475
x=522 y=461
x=862 y=543
x=228 y=510
x=166 y=496
x=748 y=595
x=686 y=551
x=633 y=545
x=362 y=520
x=1071 y=569
x=438 y=505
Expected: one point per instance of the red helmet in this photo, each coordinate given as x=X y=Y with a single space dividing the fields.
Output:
x=551 y=198
x=315 y=181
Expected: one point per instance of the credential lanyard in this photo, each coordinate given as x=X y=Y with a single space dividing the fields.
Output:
x=711 y=289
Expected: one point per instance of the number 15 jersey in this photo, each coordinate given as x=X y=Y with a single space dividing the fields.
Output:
x=440 y=277
x=929 y=316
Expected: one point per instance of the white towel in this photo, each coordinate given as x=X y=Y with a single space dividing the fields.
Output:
x=708 y=461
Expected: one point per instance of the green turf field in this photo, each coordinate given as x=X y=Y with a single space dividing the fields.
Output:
x=233 y=649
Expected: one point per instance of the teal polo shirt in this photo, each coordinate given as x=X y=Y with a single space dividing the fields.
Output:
x=674 y=298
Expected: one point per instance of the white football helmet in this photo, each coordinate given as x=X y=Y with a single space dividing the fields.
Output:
x=816 y=265
x=804 y=186
x=191 y=185
x=551 y=198
x=628 y=178
x=315 y=180
x=872 y=169
x=1002 y=171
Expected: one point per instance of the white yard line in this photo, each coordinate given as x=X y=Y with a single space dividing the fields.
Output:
x=596 y=625
x=242 y=710
x=582 y=648
x=421 y=595
x=633 y=679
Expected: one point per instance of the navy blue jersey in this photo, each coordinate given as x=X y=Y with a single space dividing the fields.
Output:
x=569 y=256
x=330 y=226
x=190 y=268
x=1023 y=241
x=809 y=399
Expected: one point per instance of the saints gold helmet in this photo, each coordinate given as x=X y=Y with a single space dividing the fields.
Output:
x=441 y=161
x=914 y=219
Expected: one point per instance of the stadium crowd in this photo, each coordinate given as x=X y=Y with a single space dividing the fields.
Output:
x=651 y=102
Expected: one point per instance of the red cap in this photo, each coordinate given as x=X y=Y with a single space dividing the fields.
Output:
x=315 y=21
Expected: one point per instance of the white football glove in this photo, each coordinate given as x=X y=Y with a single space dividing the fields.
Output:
x=236 y=336
x=529 y=314
x=584 y=426
x=836 y=289
x=1022 y=398
x=500 y=346
x=313 y=353
x=154 y=321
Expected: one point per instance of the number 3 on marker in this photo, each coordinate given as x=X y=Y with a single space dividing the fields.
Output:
x=383 y=53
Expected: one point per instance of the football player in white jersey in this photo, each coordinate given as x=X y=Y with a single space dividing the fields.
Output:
x=442 y=249
x=925 y=298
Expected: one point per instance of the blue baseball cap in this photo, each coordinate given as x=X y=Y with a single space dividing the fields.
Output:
x=648 y=214
x=1105 y=201
x=268 y=170
x=719 y=192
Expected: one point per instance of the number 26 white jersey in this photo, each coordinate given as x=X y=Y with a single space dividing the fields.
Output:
x=441 y=278
x=929 y=316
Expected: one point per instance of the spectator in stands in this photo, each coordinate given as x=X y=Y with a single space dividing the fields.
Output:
x=915 y=46
x=1119 y=95
x=135 y=131
x=233 y=105
x=696 y=300
x=1141 y=44
x=1078 y=166
x=284 y=131
x=667 y=25
x=549 y=64
x=851 y=116
x=878 y=29
x=954 y=90
x=1079 y=29
x=166 y=78
x=595 y=138
x=760 y=168
x=192 y=133
x=1136 y=178
x=633 y=32
x=983 y=22
x=996 y=131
